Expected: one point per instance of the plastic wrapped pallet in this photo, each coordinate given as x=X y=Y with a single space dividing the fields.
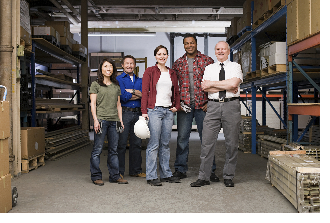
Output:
x=297 y=177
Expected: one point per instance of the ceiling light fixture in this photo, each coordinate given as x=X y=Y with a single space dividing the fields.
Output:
x=121 y=34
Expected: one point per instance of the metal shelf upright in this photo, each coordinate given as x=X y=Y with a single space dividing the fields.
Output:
x=277 y=81
x=45 y=53
x=294 y=108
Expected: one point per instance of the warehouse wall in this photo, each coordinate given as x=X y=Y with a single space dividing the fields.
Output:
x=141 y=47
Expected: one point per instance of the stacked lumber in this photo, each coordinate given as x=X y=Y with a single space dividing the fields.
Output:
x=297 y=177
x=269 y=143
x=311 y=150
x=63 y=142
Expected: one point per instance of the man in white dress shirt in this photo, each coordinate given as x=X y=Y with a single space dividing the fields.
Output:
x=221 y=80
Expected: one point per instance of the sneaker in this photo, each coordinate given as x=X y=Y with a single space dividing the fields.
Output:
x=120 y=181
x=139 y=175
x=200 y=183
x=214 y=178
x=179 y=174
x=171 y=179
x=154 y=182
x=98 y=182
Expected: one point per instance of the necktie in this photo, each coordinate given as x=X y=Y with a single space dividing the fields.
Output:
x=222 y=94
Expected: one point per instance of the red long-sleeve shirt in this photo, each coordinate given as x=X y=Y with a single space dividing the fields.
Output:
x=149 y=92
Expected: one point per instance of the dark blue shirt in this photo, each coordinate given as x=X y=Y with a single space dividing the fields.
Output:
x=125 y=82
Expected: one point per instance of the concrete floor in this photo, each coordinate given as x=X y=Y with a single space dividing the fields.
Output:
x=64 y=186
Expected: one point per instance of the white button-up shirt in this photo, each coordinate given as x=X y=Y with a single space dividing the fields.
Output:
x=232 y=69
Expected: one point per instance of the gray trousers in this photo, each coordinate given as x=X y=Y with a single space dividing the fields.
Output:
x=227 y=115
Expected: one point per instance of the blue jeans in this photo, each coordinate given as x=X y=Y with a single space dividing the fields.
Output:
x=184 y=128
x=135 y=158
x=109 y=130
x=160 y=126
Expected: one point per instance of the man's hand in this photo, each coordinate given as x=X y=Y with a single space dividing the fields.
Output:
x=137 y=95
x=205 y=108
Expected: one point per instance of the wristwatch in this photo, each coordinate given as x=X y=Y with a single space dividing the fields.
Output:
x=133 y=91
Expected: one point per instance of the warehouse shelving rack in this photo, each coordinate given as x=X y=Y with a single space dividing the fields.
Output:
x=273 y=82
x=45 y=53
x=289 y=81
x=294 y=108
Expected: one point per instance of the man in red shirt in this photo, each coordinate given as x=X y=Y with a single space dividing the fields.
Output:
x=190 y=70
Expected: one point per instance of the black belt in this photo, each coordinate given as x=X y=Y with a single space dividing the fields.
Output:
x=132 y=109
x=224 y=99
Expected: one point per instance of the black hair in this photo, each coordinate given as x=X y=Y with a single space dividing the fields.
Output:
x=100 y=77
x=189 y=35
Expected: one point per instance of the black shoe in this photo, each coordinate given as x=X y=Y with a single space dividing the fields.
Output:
x=200 y=183
x=179 y=174
x=171 y=179
x=228 y=182
x=214 y=178
x=154 y=182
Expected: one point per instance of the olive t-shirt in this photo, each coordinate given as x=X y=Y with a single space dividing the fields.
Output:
x=106 y=101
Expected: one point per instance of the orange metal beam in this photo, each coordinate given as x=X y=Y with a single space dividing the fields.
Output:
x=274 y=96
x=312 y=109
x=304 y=44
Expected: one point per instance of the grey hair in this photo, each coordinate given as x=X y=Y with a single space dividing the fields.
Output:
x=222 y=42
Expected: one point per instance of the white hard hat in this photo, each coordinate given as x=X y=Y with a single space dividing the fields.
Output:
x=141 y=129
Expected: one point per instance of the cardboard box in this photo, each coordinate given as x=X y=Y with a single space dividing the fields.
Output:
x=246 y=18
x=234 y=25
x=79 y=48
x=4 y=120
x=26 y=36
x=278 y=47
x=5 y=194
x=66 y=42
x=277 y=58
x=43 y=31
x=33 y=141
x=315 y=16
x=260 y=8
x=61 y=26
x=304 y=18
x=239 y=26
x=4 y=157
x=292 y=22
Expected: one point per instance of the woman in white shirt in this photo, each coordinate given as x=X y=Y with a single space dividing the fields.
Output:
x=160 y=100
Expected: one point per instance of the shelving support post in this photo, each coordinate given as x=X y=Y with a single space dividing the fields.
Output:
x=33 y=86
x=254 y=120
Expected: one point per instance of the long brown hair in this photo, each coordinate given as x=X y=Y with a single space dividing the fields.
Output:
x=100 y=77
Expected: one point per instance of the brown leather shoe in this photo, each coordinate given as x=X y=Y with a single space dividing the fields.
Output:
x=98 y=182
x=120 y=181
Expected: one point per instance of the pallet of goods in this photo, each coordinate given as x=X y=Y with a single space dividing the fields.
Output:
x=297 y=177
x=33 y=148
x=65 y=141
x=269 y=143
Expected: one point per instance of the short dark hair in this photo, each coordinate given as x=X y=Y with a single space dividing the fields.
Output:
x=158 y=48
x=100 y=77
x=189 y=35
x=128 y=56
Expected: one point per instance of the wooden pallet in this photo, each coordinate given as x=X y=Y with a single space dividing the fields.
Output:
x=33 y=163
x=49 y=38
x=268 y=14
x=276 y=68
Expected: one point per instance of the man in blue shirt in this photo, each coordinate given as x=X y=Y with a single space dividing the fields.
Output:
x=130 y=98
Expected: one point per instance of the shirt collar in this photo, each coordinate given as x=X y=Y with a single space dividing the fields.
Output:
x=224 y=63
x=197 y=55
x=127 y=74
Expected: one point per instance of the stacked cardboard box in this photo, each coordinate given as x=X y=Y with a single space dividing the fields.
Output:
x=277 y=53
x=246 y=18
x=46 y=32
x=297 y=177
x=303 y=19
x=33 y=148
x=260 y=8
x=63 y=27
x=25 y=22
x=5 y=176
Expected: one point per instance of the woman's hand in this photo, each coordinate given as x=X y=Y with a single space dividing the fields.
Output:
x=96 y=126
x=145 y=116
x=173 y=109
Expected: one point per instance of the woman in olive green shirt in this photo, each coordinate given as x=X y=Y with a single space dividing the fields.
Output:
x=107 y=115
